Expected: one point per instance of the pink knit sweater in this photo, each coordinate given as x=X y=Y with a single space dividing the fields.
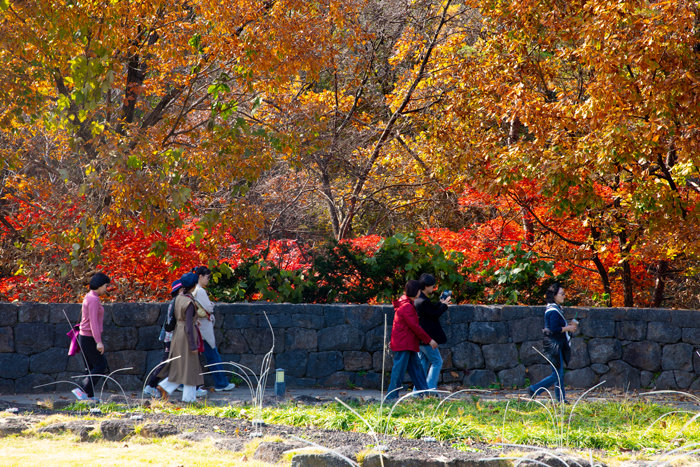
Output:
x=92 y=317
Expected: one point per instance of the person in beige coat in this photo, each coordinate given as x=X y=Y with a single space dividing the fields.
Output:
x=185 y=344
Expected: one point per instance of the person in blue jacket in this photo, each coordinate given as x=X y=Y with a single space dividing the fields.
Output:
x=556 y=343
x=429 y=314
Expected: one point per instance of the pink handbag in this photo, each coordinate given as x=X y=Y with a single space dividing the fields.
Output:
x=74 y=346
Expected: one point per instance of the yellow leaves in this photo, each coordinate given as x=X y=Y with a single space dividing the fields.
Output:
x=691 y=76
x=561 y=75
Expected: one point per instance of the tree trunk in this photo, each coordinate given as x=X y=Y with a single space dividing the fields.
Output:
x=328 y=195
x=627 y=289
x=661 y=272
x=604 y=278
x=527 y=225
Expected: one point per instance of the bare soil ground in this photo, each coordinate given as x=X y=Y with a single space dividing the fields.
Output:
x=232 y=433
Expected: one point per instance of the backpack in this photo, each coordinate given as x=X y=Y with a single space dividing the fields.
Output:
x=170 y=321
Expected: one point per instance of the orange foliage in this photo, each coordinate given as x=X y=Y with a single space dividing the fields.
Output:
x=131 y=133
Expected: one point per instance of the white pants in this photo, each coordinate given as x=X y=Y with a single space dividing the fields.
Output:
x=189 y=393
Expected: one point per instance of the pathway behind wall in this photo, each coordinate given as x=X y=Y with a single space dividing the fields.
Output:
x=341 y=345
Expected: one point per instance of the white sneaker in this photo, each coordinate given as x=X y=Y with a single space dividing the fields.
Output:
x=201 y=392
x=179 y=388
x=227 y=388
x=150 y=391
x=80 y=394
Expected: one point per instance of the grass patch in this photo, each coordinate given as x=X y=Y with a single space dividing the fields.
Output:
x=52 y=419
x=617 y=427
x=611 y=426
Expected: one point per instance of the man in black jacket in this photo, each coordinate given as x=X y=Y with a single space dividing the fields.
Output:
x=429 y=319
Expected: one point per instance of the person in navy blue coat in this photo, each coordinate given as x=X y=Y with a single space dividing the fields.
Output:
x=556 y=343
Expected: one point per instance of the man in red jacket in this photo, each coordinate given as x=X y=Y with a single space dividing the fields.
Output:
x=406 y=336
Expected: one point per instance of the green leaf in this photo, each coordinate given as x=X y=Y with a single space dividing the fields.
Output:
x=134 y=162
x=196 y=42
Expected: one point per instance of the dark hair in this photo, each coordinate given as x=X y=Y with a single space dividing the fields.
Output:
x=98 y=280
x=426 y=280
x=552 y=290
x=201 y=271
x=412 y=288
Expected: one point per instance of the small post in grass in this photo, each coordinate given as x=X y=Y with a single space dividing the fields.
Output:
x=280 y=386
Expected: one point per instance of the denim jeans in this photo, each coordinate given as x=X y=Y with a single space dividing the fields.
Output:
x=431 y=360
x=556 y=379
x=406 y=360
x=212 y=356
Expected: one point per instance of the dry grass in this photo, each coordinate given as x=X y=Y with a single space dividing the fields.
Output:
x=65 y=450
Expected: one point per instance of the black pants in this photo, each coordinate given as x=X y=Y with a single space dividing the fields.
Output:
x=155 y=379
x=95 y=364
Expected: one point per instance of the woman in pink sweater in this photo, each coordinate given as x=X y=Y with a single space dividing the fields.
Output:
x=90 y=336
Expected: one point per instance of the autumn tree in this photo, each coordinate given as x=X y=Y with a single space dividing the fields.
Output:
x=258 y=120
x=596 y=102
x=140 y=111
x=348 y=119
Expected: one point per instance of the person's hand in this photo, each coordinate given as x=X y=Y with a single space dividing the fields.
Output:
x=433 y=344
x=447 y=301
x=100 y=347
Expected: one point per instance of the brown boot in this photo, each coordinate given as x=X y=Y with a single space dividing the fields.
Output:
x=163 y=393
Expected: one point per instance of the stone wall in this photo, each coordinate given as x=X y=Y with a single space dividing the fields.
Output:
x=341 y=345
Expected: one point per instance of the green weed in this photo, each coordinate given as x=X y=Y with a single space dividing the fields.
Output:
x=611 y=426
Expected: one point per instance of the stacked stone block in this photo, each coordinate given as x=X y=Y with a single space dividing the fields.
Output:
x=343 y=345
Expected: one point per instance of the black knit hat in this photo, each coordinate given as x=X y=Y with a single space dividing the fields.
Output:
x=98 y=280
x=189 y=280
x=426 y=280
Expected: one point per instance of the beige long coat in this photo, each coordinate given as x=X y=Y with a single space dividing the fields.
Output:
x=186 y=369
